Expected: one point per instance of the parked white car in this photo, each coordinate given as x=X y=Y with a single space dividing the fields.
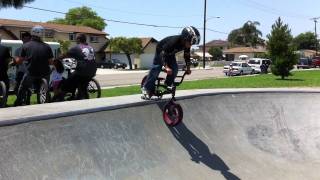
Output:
x=238 y=68
x=256 y=63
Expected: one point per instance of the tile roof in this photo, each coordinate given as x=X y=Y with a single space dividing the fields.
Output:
x=245 y=50
x=216 y=43
x=146 y=40
x=56 y=27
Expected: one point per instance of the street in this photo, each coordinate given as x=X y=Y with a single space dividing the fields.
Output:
x=111 y=78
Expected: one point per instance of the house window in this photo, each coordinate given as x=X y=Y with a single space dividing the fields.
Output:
x=94 y=39
x=48 y=34
x=72 y=37
x=23 y=32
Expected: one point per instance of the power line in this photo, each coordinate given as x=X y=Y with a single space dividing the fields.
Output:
x=125 y=22
x=266 y=9
x=131 y=12
x=289 y=14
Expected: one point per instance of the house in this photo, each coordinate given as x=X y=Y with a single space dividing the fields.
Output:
x=250 y=52
x=145 y=60
x=12 y=30
x=199 y=55
x=141 y=61
x=307 y=53
x=223 y=45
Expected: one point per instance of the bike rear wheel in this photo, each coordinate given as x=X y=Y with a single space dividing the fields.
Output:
x=94 y=89
x=43 y=92
x=3 y=94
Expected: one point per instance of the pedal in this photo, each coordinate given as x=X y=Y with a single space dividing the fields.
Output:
x=169 y=88
x=144 y=97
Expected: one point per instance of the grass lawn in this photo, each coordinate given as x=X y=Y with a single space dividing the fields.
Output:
x=299 y=79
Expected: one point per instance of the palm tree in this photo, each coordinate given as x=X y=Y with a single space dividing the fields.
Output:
x=14 y=3
x=248 y=35
x=251 y=34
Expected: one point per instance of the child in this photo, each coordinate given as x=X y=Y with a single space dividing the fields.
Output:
x=56 y=78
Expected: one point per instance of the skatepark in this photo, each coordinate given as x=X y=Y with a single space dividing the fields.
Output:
x=225 y=134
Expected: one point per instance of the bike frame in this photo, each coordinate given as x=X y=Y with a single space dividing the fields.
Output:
x=172 y=91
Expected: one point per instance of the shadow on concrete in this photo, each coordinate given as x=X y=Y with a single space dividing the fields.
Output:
x=200 y=152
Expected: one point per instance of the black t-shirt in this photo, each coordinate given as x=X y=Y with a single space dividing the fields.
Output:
x=84 y=54
x=172 y=45
x=37 y=55
x=4 y=60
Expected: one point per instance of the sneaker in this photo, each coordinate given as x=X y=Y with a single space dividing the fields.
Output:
x=146 y=93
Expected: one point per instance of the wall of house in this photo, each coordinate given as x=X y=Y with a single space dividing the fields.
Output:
x=250 y=55
x=122 y=58
x=145 y=60
x=4 y=35
x=236 y=55
x=17 y=30
x=309 y=54
x=97 y=46
x=151 y=48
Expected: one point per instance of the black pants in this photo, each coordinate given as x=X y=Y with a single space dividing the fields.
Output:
x=74 y=82
x=19 y=77
x=27 y=82
x=156 y=69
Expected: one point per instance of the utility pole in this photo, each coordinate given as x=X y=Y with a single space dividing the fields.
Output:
x=204 y=34
x=110 y=47
x=315 y=32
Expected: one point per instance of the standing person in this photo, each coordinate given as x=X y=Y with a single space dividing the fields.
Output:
x=166 y=56
x=230 y=70
x=4 y=62
x=85 y=69
x=38 y=56
x=21 y=69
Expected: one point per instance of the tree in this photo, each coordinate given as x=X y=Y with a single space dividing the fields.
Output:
x=64 y=46
x=128 y=46
x=216 y=53
x=235 y=37
x=83 y=16
x=14 y=3
x=281 y=49
x=247 y=35
x=305 y=41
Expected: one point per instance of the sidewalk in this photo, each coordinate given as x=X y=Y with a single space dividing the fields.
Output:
x=118 y=71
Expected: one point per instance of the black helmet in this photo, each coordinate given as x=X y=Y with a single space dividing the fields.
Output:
x=191 y=34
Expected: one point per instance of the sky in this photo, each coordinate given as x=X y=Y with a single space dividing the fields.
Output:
x=180 y=13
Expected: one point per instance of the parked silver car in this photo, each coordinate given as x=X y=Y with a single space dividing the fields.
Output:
x=238 y=68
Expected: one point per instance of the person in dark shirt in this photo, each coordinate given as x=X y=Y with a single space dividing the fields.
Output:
x=85 y=69
x=38 y=56
x=165 y=56
x=4 y=61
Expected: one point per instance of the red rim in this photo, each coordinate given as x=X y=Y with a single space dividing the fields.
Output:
x=172 y=114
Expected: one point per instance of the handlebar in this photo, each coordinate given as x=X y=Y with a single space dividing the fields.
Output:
x=182 y=77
